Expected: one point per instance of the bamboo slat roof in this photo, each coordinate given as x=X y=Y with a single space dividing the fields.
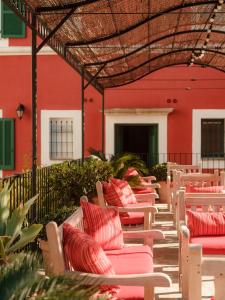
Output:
x=120 y=41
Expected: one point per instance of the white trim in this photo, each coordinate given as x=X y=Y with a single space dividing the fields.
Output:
x=197 y=115
x=4 y=43
x=22 y=50
x=138 y=116
x=1 y=113
x=46 y=115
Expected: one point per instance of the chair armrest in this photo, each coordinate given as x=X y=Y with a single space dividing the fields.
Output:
x=147 y=185
x=150 y=209
x=184 y=231
x=153 y=234
x=147 y=279
x=147 y=197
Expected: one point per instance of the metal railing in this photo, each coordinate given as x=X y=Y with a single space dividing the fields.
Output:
x=182 y=158
x=21 y=192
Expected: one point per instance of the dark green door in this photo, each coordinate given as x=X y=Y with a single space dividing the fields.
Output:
x=141 y=139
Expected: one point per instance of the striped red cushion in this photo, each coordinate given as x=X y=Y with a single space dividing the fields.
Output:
x=83 y=253
x=112 y=194
x=131 y=172
x=205 y=189
x=128 y=196
x=103 y=224
x=206 y=223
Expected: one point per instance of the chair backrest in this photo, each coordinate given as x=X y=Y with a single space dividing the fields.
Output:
x=55 y=240
x=192 y=201
x=197 y=179
x=184 y=168
x=101 y=200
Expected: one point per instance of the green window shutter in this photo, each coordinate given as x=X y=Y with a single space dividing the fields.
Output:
x=7 y=144
x=12 y=25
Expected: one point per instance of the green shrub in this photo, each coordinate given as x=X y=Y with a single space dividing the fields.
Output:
x=58 y=216
x=159 y=171
x=71 y=181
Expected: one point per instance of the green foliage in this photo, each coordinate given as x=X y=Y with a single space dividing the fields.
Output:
x=20 y=280
x=58 y=216
x=97 y=153
x=121 y=162
x=159 y=171
x=71 y=181
x=12 y=236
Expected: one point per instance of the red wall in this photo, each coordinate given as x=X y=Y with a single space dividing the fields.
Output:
x=154 y=90
x=59 y=87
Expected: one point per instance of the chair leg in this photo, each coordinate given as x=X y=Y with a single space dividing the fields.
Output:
x=149 y=293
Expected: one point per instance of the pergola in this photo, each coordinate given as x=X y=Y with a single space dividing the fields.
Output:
x=116 y=42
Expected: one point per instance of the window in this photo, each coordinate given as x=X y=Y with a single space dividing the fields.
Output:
x=11 y=25
x=7 y=144
x=212 y=138
x=61 y=138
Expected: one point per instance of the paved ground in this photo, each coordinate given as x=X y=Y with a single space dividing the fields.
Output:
x=166 y=258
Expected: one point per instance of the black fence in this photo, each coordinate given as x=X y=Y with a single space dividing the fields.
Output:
x=184 y=159
x=21 y=192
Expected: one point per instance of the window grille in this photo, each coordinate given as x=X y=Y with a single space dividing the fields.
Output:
x=212 y=138
x=61 y=139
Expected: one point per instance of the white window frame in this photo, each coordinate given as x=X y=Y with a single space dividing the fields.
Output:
x=197 y=116
x=157 y=116
x=1 y=114
x=46 y=116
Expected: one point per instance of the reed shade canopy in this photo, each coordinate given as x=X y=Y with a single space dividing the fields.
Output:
x=117 y=42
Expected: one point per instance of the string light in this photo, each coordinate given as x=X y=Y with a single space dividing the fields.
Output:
x=200 y=53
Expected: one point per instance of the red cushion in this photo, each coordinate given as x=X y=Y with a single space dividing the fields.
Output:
x=205 y=189
x=131 y=172
x=134 y=218
x=128 y=195
x=130 y=293
x=103 y=224
x=112 y=194
x=131 y=260
x=206 y=223
x=210 y=244
x=143 y=191
x=123 y=263
x=83 y=253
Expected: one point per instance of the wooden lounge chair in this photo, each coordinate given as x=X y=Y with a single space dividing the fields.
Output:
x=171 y=184
x=201 y=182
x=212 y=245
x=199 y=266
x=140 y=283
x=146 y=185
x=141 y=213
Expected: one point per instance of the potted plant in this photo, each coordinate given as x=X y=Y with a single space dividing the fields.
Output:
x=160 y=172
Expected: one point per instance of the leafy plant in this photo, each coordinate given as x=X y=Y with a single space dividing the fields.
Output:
x=159 y=171
x=58 y=216
x=71 y=181
x=120 y=164
x=21 y=280
x=12 y=236
x=97 y=153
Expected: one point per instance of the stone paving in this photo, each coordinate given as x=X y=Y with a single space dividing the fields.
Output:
x=166 y=258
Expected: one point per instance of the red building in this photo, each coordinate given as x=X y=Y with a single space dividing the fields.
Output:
x=176 y=112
